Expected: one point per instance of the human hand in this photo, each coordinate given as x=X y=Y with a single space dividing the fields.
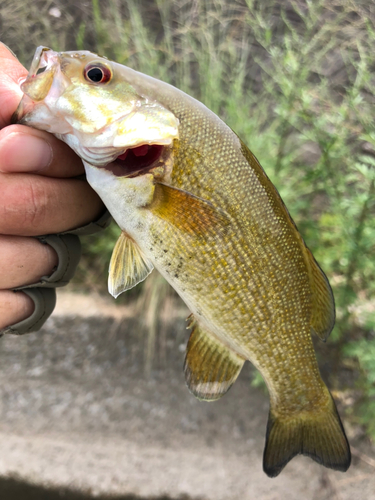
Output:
x=39 y=195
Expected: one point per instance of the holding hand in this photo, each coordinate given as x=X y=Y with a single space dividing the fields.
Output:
x=39 y=194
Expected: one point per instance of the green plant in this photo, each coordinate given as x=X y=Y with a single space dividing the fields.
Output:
x=364 y=351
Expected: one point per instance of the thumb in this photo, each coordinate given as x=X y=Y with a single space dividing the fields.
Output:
x=10 y=93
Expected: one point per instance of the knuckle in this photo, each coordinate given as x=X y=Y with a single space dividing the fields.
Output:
x=35 y=204
x=24 y=206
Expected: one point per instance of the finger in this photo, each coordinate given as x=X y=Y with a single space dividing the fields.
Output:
x=11 y=73
x=24 y=261
x=32 y=205
x=24 y=149
x=14 y=307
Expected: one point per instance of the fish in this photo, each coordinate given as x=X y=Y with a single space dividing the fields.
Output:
x=193 y=202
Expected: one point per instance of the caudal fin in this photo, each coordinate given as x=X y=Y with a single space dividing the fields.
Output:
x=320 y=436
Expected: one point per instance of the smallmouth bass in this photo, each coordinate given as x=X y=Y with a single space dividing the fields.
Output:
x=193 y=202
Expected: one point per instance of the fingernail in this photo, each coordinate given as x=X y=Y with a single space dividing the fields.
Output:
x=10 y=50
x=24 y=153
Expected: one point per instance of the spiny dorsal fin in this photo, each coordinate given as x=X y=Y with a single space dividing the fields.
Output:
x=128 y=266
x=323 y=304
x=210 y=367
x=186 y=211
x=316 y=434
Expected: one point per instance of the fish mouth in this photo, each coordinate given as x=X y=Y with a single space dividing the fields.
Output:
x=137 y=161
x=37 y=84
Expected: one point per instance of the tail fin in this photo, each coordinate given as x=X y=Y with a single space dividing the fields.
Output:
x=320 y=436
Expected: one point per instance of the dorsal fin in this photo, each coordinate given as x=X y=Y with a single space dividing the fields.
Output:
x=128 y=266
x=323 y=304
x=210 y=367
x=186 y=211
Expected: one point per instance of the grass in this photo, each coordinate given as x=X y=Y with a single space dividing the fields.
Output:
x=295 y=80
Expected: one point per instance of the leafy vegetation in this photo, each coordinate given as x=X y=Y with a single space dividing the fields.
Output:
x=295 y=80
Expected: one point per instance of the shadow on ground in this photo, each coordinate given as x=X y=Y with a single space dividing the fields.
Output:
x=14 y=489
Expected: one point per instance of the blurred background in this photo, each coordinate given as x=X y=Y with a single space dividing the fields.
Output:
x=295 y=80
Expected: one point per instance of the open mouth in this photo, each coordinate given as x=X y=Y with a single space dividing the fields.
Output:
x=136 y=161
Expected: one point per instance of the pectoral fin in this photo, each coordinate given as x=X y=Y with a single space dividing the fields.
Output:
x=186 y=211
x=323 y=305
x=128 y=266
x=210 y=367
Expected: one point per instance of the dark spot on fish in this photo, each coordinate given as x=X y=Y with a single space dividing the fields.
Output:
x=176 y=275
x=165 y=251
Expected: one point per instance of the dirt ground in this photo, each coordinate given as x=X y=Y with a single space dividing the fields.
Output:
x=80 y=419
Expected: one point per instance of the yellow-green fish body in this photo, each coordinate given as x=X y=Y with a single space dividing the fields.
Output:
x=194 y=203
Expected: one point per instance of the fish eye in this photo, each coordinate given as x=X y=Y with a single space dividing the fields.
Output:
x=97 y=73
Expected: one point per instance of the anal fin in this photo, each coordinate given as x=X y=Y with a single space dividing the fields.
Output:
x=128 y=266
x=323 y=305
x=210 y=367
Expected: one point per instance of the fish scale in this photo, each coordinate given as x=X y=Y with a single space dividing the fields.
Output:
x=200 y=209
x=243 y=327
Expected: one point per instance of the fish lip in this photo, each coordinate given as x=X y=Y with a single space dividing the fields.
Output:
x=115 y=169
x=37 y=60
x=40 y=58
